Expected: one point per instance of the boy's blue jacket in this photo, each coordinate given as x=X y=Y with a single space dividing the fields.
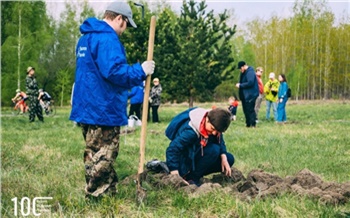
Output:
x=103 y=76
x=184 y=133
x=136 y=95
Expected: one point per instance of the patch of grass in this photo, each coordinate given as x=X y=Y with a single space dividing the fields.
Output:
x=46 y=159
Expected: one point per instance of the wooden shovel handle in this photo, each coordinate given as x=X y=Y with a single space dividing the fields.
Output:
x=145 y=99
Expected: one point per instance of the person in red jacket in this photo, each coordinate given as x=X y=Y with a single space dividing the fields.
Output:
x=259 y=72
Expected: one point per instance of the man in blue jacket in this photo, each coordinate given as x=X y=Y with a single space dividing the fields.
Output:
x=102 y=80
x=248 y=92
x=197 y=146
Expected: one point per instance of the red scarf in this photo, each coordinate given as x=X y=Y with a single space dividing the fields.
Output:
x=204 y=134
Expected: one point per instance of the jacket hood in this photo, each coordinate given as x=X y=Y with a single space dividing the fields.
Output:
x=93 y=25
x=196 y=117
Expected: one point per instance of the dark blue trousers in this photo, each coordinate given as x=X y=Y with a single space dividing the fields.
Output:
x=249 y=112
x=209 y=163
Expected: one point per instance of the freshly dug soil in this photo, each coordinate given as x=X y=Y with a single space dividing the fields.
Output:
x=257 y=184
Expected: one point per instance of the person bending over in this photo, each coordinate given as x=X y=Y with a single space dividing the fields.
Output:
x=197 y=146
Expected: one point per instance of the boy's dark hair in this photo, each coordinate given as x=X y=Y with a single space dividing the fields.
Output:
x=220 y=118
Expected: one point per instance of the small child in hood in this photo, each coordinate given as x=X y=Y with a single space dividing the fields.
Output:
x=233 y=107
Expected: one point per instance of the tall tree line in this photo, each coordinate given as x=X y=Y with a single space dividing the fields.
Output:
x=192 y=49
x=309 y=48
x=195 y=50
x=30 y=37
x=26 y=32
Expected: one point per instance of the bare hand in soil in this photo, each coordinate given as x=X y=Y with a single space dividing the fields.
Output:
x=176 y=172
x=225 y=167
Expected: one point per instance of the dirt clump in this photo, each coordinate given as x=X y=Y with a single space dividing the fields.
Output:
x=205 y=188
x=257 y=184
x=310 y=184
x=306 y=179
x=260 y=184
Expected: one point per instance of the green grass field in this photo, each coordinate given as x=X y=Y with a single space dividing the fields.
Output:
x=46 y=160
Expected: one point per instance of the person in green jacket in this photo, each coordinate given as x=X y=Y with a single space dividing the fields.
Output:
x=271 y=90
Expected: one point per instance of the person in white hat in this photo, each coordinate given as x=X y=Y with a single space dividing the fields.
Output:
x=102 y=79
x=271 y=90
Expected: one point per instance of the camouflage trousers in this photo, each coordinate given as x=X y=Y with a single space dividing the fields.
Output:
x=102 y=148
x=35 y=108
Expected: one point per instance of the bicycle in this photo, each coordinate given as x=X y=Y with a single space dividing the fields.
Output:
x=48 y=107
x=17 y=107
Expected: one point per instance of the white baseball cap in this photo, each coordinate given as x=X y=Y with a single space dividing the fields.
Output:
x=272 y=75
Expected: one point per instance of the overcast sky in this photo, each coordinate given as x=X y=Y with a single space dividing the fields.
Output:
x=243 y=10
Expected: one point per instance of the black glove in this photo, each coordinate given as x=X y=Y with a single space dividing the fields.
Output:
x=157 y=166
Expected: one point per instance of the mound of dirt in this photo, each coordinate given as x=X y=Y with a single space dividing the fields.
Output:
x=310 y=184
x=257 y=184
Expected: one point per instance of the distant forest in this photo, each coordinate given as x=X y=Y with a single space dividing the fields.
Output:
x=196 y=51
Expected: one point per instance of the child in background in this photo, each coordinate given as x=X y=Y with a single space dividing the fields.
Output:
x=20 y=97
x=44 y=100
x=233 y=107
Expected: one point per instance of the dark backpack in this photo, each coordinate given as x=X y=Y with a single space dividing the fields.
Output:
x=289 y=93
x=177 y=122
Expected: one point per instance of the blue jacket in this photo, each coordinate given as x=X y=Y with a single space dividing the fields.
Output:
x=186 y=142
x=249 y=88
x=282 y=90
x=136 y=95
x=103 y=76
